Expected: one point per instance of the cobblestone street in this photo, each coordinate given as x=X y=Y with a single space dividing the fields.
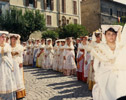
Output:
x=51 y=85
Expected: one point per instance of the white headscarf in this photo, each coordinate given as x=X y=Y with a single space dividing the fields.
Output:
x=106 y=27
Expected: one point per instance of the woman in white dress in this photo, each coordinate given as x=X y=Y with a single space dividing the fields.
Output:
x=69 y=57
x=61 y=59
x=105 y=74
x=96 y=39
x=82 y=69
x=17 y=55
x=41 y=56
x=120 y=67
x=29 y=53
x=56 y=56
x=49 y=54
x=7 y=80
x=24 y=53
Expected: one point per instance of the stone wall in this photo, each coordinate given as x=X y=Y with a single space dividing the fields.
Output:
x=90 y=14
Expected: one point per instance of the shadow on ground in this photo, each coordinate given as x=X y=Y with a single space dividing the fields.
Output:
x=69 y=89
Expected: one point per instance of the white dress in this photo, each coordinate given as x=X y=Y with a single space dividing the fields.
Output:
x=69 y=55
x=7 y=80
x=29 y=56
x=25 y=56
x=61 y=59
x=56 y=58
x=120 y=68
x=49 y=56
x=17 y=59
x=105 y=74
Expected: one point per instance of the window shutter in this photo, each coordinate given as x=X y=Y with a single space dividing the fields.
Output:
x=27 y=2
x=52 y=4
x=75 y=7
x=45 y=6
x=75 y=21
x=49 y=20
x=64 y=6
x=35 y=3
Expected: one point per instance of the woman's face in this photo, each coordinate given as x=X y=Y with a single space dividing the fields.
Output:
x=58 y=43
x=84 y=40
x=98 y=38
x=42 y=41
x=110 y=37
x=68 y=41
x=13 y=40
x=29 y=42
x=77 y=41
x=49 y=42
x=2 y=38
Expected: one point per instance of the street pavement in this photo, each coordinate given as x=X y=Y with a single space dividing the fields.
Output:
x=51 y=85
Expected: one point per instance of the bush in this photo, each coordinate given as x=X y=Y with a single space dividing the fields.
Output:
x=50 y=34
x=123 y=19
x=72 y=30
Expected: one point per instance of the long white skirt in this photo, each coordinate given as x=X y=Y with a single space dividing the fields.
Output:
x=69 y=62
x=18 y=75
x=120 y=65
x=49 y=61
x=106 y=82
x=7 y=80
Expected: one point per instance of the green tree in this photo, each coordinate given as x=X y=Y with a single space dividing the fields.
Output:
x=15 y=21
x=123 y=19
x=72 y=30
x=50 y=34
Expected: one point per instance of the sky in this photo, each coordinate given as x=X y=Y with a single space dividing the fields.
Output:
x=121 y=1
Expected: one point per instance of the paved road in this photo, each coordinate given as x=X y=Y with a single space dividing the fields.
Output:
x=51 y=85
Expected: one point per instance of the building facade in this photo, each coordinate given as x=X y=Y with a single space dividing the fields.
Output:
x=56 y=12
x=97 y=12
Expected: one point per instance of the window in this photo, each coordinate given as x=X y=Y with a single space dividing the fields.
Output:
x=111 y=12
x=64 y=21
x=49 y=21
x=75 y=21
x=74 y=7
x=117 y=13
x=31 y=1
x=48 y=4
x=64 y=6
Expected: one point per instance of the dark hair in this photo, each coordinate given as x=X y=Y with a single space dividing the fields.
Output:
x=111 y=30
x=97 y=35
x=16 y=37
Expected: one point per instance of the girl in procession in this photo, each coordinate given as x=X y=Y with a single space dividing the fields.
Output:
x=49 y=54
x=106 y=76
x=96 y=39
x=8 y=86
x=81 y=60
x=17 y=56
x=61 y=57
x=69 y=57
x=56 y=55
